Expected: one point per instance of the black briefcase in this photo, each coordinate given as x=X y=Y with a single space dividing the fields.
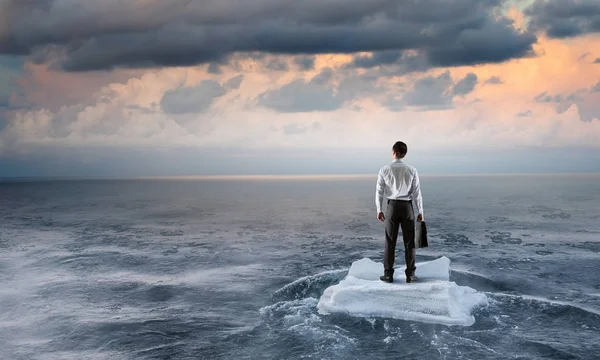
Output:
x=420 y=235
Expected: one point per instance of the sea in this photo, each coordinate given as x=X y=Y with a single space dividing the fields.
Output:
x=234 y=267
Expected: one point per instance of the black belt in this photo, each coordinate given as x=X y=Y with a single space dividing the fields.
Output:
x=398 y=200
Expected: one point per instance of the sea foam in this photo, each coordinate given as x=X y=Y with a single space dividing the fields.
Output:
x=432 y=299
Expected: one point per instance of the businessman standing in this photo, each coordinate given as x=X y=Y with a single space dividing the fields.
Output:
x=400 y=182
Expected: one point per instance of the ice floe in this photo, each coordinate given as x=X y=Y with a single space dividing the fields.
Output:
x=432 y=299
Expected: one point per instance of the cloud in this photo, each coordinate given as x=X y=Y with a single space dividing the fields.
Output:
x=356 y=86
x=297 y=129
x=293 y=129
x=433 y=93
x=195 y=99
x=11 y=68
x=563 y=102
x=565 y=18
x=377 y=58
x=585 y=100
x=525 y=113
x=582 y=57
x=305 y=62
x=589 y=112
x=494 y=80
x=4 y=121
x=276 y=64
x=122 y=115
x=355 y=98
x=128 y=115
x=323 y=77
x=486 y=42
x=321 y=92
x=214 y=68
x=80 y=35
x=235 y=82
x=395 y=62
x=492 y=42
x=577 y=96
x=301 y=96
x=466 y=85
x=545 y=98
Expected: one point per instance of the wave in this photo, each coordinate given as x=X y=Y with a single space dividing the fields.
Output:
x=299 y=317
x=309 y=286
x=583 y=310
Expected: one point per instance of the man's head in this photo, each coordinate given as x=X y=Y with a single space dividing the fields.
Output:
x=399 y=150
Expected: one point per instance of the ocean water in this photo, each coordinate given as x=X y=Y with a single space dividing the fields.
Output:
x=234 y=268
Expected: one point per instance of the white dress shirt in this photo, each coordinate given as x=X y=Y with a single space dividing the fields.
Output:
x=399 y=181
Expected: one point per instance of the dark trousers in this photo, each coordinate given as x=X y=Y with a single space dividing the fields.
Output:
x=399 y=214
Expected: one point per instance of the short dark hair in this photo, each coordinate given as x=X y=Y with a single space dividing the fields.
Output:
x=400 y=149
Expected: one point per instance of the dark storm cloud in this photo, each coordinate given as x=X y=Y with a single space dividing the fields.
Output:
x=377 y=59
x=92 y=35
x=395 y=63
x=485 y=41
x=565 y=18
x=492 y=42
x=392 y=63
x=466 y=85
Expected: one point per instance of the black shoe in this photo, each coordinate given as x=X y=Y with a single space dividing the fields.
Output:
x=387 y=278
x=412 y=278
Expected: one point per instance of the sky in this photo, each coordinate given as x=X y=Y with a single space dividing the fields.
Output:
x=198 y=87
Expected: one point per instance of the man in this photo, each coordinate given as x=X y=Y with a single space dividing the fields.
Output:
x=401 y=183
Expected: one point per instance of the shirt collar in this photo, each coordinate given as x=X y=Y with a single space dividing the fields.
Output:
x=397 y=160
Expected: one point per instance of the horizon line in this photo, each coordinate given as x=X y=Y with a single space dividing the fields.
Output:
x=276 y=176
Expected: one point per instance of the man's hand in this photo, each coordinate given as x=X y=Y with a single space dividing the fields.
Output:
x=420 y=218
x=380 y=216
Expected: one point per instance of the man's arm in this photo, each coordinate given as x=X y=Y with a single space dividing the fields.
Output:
x=379 y=192
x=416 y=193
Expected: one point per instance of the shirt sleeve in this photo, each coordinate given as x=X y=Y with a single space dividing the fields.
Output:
x=416 y=192
x=379 y=191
